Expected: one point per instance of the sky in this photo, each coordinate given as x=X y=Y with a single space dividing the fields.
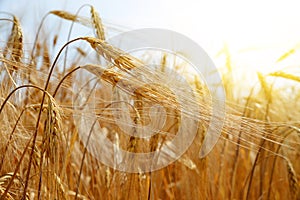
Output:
x=257 y=32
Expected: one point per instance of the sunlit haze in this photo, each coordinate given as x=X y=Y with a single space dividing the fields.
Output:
x=256 y=33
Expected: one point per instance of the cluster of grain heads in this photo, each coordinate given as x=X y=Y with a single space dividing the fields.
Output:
x=15 y=191
x=95 y=21
x=43 y=157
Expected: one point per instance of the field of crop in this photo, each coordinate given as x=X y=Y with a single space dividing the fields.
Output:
x=46 y=85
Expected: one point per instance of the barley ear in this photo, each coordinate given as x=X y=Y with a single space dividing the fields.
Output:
x=15 y=42
x=285 y=75
x=71 y=17
x=293 y=181
x=97 y=24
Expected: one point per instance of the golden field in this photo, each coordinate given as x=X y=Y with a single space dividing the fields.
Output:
x=43 y=157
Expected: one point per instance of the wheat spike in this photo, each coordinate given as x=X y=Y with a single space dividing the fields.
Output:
x=15 y=42
x=264 y=85
x=81 y=52
x=293 y=182
x=71 y=17
x=152 y=93
x=65 y=15
x=119 y=58
x=52 y=127
x=46 y=57
x=285 y=55
x=55 y=40
x=97 y=24
x=285 y=75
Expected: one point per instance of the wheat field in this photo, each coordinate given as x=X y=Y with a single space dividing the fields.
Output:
x=43 y=155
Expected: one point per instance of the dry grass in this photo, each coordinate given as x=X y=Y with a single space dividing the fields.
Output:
x=44 y=157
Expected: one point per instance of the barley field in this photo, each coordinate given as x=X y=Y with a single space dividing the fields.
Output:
x=44 y=156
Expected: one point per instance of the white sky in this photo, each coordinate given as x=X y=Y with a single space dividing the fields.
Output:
x=266 y=25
